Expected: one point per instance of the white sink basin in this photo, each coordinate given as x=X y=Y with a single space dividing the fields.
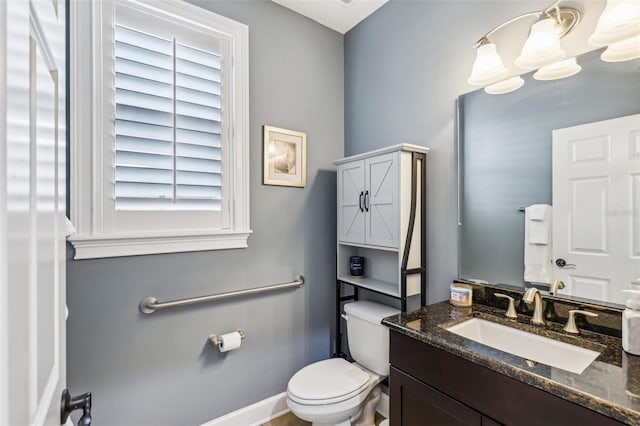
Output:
x=526 y=345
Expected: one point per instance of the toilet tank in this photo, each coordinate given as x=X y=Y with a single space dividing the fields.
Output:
x=368 y=339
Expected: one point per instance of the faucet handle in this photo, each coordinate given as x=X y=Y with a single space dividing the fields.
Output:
x=511 y=311
x=571 y=326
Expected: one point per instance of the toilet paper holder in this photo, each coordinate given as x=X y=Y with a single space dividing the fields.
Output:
x=216 y=341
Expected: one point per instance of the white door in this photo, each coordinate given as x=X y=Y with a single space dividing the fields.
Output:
x=382 y=200
x=32 y=211
x=596 y=207
x=351 y=202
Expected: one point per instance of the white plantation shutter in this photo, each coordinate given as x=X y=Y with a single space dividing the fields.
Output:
x=160 y=129
x=168 y=123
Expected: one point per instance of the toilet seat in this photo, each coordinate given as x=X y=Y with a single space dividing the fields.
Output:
x=327 y=382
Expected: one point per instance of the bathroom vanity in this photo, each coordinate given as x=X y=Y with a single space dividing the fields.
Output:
x=439 y=377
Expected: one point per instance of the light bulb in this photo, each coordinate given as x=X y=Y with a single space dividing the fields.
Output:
x=505 y=86
x=542 y=47
x=624 y=50
x=620 y=20
x=558 y=70
x=488 y=67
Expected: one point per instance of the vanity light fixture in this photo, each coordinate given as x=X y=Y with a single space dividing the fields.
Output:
x=557 y=70
x=620 y=20
x=488 y=67
x=624 y=50
x=541 y=48
x=505 y=86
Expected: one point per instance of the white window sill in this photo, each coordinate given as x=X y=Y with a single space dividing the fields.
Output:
x=93 y=247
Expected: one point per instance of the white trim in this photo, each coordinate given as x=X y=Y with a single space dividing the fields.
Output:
x=383 y=405
x=271 y=408
x=254 y=414
x=91 y=247
x=4 y=276
x=81 y=161
x=95 y=236
x=393 y=148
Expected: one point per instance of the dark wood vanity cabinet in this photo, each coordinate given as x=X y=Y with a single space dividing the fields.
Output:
x=429 y=386
x=419 y=404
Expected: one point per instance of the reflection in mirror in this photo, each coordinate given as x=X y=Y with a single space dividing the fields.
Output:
x=505 y=149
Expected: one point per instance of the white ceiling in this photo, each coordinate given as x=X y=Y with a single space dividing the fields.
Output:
x=338 y=15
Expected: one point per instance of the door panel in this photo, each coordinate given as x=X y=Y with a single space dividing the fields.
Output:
x=32 y=212
x=350 y=192
x=44 y=282
x=589 y=230
x=382 y=200
x=596 y=200
x=635 y=222
x=416 y=404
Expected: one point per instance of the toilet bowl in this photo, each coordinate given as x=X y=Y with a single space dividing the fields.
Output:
x=335 y=392
x=332 y=392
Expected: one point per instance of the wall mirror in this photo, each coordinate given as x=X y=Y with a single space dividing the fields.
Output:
x=505 y=163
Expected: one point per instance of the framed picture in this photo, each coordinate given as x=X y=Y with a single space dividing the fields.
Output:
x=285 y=157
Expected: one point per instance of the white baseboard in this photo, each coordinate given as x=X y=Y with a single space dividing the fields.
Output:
x=383 y=405
x=270 y=408
x=254 y=414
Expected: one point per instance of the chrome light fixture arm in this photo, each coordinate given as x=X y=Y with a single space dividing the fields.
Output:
x=485 y=38
x=566 y=18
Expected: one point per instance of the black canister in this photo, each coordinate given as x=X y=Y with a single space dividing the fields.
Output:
x=356 y=266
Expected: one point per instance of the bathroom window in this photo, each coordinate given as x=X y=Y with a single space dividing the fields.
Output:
x=166 y=169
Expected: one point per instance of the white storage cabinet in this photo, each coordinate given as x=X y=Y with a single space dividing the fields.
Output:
x=374 y=203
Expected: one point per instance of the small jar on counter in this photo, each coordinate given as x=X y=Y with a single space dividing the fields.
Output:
x=461 y=295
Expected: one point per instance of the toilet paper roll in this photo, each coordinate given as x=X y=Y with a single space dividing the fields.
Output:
x=230 y=341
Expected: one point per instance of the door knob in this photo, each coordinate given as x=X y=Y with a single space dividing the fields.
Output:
x=69 y=404
x=563 y=264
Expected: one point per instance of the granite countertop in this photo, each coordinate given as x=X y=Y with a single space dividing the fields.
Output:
x=610 y=385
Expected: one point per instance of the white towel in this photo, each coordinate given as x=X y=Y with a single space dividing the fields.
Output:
x=538 y=223
x=538 y=250
x=537 y=211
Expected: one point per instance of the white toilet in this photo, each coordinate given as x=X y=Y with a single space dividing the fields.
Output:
x=335 y=392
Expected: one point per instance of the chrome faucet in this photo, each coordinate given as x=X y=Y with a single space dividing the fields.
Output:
x=533 y=295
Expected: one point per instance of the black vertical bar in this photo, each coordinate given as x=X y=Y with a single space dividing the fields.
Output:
x=423 y=230
x=338 y=328
x=407 y=245
x=403 y=292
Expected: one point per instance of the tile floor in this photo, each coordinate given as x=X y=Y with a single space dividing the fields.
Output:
x=290 y=420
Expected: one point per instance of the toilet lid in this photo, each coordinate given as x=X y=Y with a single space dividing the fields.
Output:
x=333 y=379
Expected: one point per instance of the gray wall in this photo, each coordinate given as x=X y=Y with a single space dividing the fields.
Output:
x=506 y=156
x=404 y=68
x=158 y=369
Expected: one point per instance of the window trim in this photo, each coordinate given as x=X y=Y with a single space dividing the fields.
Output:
x=87 y=123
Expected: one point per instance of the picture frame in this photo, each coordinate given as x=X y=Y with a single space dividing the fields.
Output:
x=285 y=157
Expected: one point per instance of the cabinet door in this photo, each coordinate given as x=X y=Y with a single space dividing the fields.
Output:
x=382 y=196
x=351 y=202
x=414 y=403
